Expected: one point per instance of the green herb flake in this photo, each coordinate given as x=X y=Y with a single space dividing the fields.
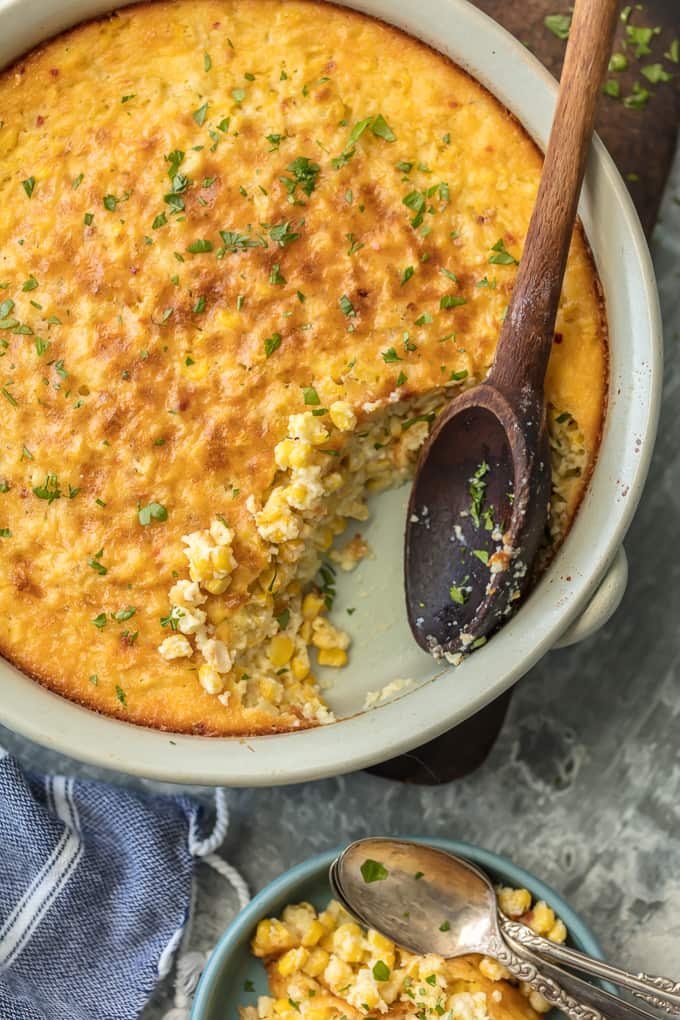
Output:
x=638 y=97
x=248 y=986
x=199 y=306
x=449 y=275
x=406 y=275
x=346 y=306
x=354 y=245
x=276 y=276
x=381 y=129
x=458 y=595
x=28 y=185
x=612 y=88
x=310 y=396
x=558 y=24
x=390 y=355
x=640 y=38
x=655 y=73
x=153 y=511
x=477 y=488
x=373 y=871
x=77 y=181
x=207 y=62
x=445 y=926
x=424 y=319
x=120 y=694
x=283 y=618
x=100 y=621
x=271 y=344
x=98 y=567
x=159 y=221
x=381 y=972
x=459 y=376
x=618 y=62
x=200 y=114
x=8 y=396
x=451 y=301
x=49 y=490
x=88 y=218
x=673 y=52
x=502 y=256
x=418 y=875
x=401 y=379
x=110 y=202
x=200 y=247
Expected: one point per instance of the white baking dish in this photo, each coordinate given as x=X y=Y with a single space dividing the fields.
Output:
x=578 y=593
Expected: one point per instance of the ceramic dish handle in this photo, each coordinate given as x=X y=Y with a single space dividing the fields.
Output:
x=602 y=605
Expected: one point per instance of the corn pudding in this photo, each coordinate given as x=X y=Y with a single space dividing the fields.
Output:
x=249 y=249
x=324 y=966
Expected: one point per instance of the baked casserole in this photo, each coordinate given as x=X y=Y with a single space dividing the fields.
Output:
x=321 y=965
x=248 y=250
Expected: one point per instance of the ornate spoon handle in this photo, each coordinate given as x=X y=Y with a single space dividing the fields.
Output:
x=657 y=991
x=525 y=970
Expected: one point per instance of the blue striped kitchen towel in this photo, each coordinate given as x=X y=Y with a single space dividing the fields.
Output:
x=95 y=893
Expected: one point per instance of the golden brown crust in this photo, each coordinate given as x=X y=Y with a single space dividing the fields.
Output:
x=122 y=374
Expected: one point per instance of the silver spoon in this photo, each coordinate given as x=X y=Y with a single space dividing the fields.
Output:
x=436 y=902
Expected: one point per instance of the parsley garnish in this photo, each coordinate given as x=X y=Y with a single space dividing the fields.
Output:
x=200 y=247
x=275 y=275
x=310 y=396
x=28 y=185
x=98 y=567
x=153 y=511
x=502 y=256
x=207 y=62
x=406 y=275
x=390 y=355
x=200 y=114
x=49 y=490
x=373 y=871
x=458 y=595
x=305 y=174
x=354 y=245
x=281 y=233
x=381 y=129
x=346 y=306
x=100 y=621
x=120 y=694
x=445 y=926
x=477 y=489
x=451 y=301
x=271 y=344
x=558 y=24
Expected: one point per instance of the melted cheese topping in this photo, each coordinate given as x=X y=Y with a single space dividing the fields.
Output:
x=216 y=214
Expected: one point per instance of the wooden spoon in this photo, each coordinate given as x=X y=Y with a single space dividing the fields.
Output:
x=478 y=506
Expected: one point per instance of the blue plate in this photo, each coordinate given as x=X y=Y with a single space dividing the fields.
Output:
x=231 y=967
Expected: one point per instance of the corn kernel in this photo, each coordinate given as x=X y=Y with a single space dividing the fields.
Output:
x=217 y=612
x=514 y=902
x=223 y=558
x=542 y=918
x=223 y=631
x=312 y=605
x=306 y=631
x=558 y=932
x=281 y=649
x=342 y=416
x=201 y=566
x=347 y=942
x=271 y=936
x=319 y=1012
x=332 y=657
x=314 y=933
x=282 y=1006
x=197 y=370
x=300 y=665
x=325 y=635
x=325 y=539
x=217 y=585
x=379 y=942
x=292 y=961
x=269 y=688
x=210 y=679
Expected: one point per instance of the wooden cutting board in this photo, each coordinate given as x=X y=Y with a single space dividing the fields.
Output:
x=642 y=142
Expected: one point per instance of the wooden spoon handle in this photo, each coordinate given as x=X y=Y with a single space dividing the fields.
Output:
x=527 y=335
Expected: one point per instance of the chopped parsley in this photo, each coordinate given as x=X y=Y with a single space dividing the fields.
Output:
x=305 y=173
x=199 y=306
x=423 y=319
x=655 y=73
x=200 y=247
x=445 y=926
x=275 y=275
x=271 y=344
x=481 y=555
x=373 y=871
x=49 y=490
x=207 y=62
x=310 y=396
x=406 y=275
x=354 y=245
x=77 y=181
x=416 y=201
x=449 y=274
x=5 y=533
x=346 y=306
x=120 y=694
x=153 y=511
x=200 y=114
x=283 y=618
x=558 y=24
x=458 y=595
x=28 y=185
x=638 y=97
x=451 y=301
x=390 y=355
x=381 y=129
x=100 y=621
x=281 y=233
x=502 y=256
x=477 y=488
x=98 y=567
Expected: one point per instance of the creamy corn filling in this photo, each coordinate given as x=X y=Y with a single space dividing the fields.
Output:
x=324 y=966
x=263 y=654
